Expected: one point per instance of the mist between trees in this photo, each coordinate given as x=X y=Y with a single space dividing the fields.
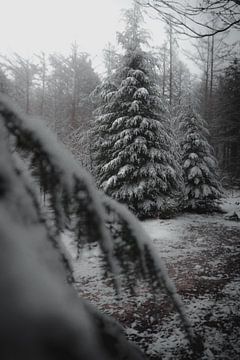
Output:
x=58 y=88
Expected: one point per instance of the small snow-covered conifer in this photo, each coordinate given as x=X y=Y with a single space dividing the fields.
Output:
x=134 y=160
x=202 y=186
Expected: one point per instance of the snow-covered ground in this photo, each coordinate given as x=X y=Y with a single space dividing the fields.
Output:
x=202 y=254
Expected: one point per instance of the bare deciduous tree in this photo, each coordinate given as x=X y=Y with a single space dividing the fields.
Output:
x=196 y=18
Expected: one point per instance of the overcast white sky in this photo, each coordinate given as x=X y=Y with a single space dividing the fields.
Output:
x=28 y=26
x=31 y=26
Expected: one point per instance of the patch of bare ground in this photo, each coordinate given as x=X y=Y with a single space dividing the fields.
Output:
x=206 y=271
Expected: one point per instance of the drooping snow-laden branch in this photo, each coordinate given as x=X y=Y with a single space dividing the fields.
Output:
x=41 y=315
x=78 y=206
x=30 y=192
x=70 y=189
x=205 y=19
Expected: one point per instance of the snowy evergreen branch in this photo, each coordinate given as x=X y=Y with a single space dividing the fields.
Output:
x=41 y=316
x=41 y=218
x=91 y=216
x=70 y=189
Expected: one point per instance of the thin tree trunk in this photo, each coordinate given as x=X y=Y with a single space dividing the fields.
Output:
x=43 y=85
x=211 y=82
x=207 y=81
x=171 y=65
x=164 y=72
x=74 y=94
x=27 y=90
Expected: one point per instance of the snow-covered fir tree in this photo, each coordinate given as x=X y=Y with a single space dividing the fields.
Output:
x=134 y=160
x=202 y=186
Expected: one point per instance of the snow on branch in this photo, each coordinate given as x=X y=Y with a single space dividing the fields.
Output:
x=91 y=216
x=69 y=187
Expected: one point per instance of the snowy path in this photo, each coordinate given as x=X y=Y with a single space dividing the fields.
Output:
x=202 y=254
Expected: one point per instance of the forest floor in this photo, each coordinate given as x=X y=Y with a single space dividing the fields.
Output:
x=202 y=255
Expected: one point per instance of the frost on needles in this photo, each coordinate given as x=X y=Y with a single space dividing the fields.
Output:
x=134 y=160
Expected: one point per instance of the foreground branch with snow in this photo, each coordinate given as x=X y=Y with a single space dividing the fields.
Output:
x=35 y=289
